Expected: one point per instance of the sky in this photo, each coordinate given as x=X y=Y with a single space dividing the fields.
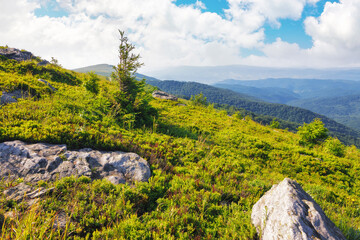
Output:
x=170 y=33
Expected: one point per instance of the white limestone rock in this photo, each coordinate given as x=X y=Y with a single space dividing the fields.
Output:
x=286 y=211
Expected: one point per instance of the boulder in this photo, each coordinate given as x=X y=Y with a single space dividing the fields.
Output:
x=164 y=95
x=43 y=63
x=286 y=211
x=16 y=54
x=35 y=162
x=11 y=97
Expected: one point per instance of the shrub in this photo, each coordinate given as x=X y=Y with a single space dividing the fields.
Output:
x=199 y=100
x=312 y=133
x=335 y=147
x=92 y=84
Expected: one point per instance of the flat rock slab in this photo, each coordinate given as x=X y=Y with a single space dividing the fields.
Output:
x=35 y=162
x=164 y=95
x=286 y=211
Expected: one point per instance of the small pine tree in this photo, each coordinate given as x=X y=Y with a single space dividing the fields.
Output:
x=199 y=100
x=92 y=84
x=127 y=67
x=312 y=133
x=335 y=147
x=132 y=104
x=275 y=124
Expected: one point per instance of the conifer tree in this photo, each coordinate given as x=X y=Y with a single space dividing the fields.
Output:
x=127 y=67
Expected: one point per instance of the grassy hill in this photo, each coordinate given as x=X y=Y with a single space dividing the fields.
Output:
x=249 y=101
x=100 y=69
x=208 y=168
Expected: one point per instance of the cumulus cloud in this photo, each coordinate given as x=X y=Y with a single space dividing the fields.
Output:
x=336 y=32
x=256 y=12
x=169 y=35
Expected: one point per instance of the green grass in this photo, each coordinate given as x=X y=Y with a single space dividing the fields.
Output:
x=208 y=168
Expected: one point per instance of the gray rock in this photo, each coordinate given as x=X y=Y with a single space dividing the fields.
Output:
x=43 y=63
x=47 y=84
x=286 y=211
x=61 y=219
x=11 y=97
x=164 y=95
x=35 y=162
x=16 y=54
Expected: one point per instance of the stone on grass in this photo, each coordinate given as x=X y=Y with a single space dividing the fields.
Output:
x=164 y=95
x=286 y=211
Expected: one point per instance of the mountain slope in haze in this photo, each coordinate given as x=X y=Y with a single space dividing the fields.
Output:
x=281 y=111
x=213 y=74
x=100 y=69
x=344 y=109
x=303 y=88
x=268 y=94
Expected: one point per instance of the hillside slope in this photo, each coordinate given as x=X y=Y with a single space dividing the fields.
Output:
x=286 y=90
x=303 y=88
x=100 y=69
x=344 y=109
x=208 y=168
x=273 y=90
x=268 y=94
x=281 y=111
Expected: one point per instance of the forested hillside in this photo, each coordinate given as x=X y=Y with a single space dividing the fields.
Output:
x=281 y=111
x=345 y=109
x=303 y=88
x=208 y=168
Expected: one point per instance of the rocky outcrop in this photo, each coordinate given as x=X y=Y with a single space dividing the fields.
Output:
x=35 y=162
x=16 y=54
x=286 y=211
x=20 y=55
x=164 y=95
x=11 y=97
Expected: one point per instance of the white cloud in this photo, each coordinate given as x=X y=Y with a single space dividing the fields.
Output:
x=256 y=12
x=169 y=35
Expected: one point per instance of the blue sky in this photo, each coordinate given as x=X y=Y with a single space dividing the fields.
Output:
x=291 y=31
x=169 y=33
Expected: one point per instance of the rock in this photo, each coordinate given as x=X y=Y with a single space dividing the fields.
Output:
x=286 y=211
x=164 y=95
x=43 y=63
x=60 y=220
x=47 y=84
x=11 y=97
x=18 y=192
x=16 y=54
x=35 y=162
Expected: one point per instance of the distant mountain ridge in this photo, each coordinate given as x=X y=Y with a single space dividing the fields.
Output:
x=337 y=99
x=213 y=74
x=100 y=69
x=299 y=88
x=343 y=109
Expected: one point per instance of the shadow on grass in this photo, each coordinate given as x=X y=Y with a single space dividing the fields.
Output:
x=177 y=131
